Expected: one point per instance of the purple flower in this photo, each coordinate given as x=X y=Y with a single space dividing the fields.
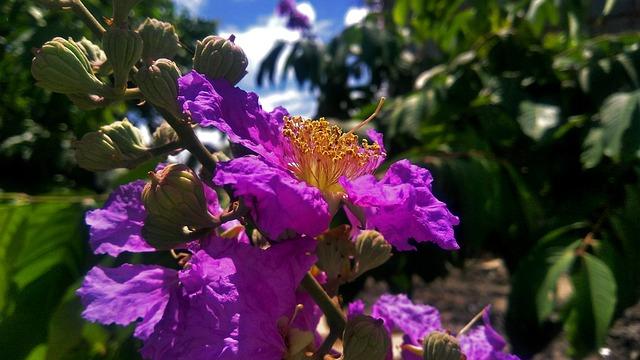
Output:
x=355 y=308
x=417 y=321
x=231 y=301
x=297 y=20
x=305 y=170
x=117 y=226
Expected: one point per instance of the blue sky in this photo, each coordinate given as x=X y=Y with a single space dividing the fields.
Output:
x=257 y=28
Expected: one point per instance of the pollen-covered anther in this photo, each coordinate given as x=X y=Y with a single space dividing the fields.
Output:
x=319 y=153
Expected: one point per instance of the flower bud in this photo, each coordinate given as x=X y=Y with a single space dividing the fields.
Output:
x=217 y=57
x=159 y=38
x=113 y=146
x=366 y=338
x=159 y=84
x=61 y=66
x=123 y=48
x=164 y=134
x=371 y=251
x=334 y=252
x=175 y=201
x=93 y=52
x=121 y=10
x=441 y=346
x=87 y=101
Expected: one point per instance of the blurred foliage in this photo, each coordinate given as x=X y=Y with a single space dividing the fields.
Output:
x=528 y=114
x=43 y=239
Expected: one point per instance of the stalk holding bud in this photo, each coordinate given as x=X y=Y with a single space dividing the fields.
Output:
x=176 y=205
x=62 y=66
x=217 y=57
x=159 y=84
x=123 y=48
x=366 y=338
x=121 y=10
x=159 y=38
x=113 y=146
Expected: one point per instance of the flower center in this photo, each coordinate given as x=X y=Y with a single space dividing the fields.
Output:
x=319 y=153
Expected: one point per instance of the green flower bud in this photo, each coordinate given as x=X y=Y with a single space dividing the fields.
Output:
x=334 y=251
x=217 y=57
x=61 y=66
x=371 y=251
x=164 y=134
x=175 y=201
x=441 y=346
x=113 y=146
x=93 y=52
x=366 y=338
x=159 y=38
x=123 y=48
x=159 y=84
x=121 y=10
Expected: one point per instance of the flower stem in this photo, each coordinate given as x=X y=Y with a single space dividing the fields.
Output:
x=190 y=141
x=166 y=148
x=78 y=7
x=335 y=317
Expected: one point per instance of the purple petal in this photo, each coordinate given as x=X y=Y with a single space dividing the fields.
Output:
x=414 y=320
x=402 y=207
x=116 y=226
x=126 y=294
x=355 y=308
x=233 y=111
x=496 y=340
x=377 y=138
x=484 y=342
x=278 y=202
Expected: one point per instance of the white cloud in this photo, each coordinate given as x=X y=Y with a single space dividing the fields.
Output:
x=192 y=6
x=354 y=15
x=256 y=41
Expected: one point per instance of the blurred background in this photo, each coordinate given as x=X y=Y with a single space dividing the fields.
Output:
x=526 y=112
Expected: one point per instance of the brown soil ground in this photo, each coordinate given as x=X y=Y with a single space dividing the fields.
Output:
x=464 y=292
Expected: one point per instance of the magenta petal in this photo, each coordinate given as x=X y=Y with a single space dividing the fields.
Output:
x=484 y=342
x=355 y=308
x=233 y=111
x=277 y=201
x=126 y=294
x=414 y=320
x=116 y=226
x=402 y=207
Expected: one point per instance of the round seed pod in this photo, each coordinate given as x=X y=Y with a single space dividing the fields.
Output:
x=371 y=251
x=366 y=338
x=441 y=346
x=123 y=49
x=61 y=66
x=159 y=84
x=217 y=57
x=159 y=38
x=118 y=145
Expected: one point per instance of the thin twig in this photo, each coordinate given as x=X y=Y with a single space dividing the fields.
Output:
x=78 y=7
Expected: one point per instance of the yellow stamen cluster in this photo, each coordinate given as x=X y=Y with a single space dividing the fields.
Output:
x=319 y=153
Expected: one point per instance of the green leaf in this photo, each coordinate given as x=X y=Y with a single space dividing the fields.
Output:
x=593 y=306
x=401 y=12
x=617 y=114
x=558 y=263
x=536 y=118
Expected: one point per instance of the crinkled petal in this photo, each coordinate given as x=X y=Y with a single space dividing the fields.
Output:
x=402 y=207
x=484 y=342
x=125 y=294
x=414 y=320
x=116 y=226
x=377 y=138
x=233 y=111
x=278 y=202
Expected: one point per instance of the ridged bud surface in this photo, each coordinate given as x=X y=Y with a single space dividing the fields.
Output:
x=113 y=146
x=62 y=66
x=371 y=251
x=217 y=57
x=175 y=201
x=366 y=338
x=159 y=84
x=123 y=49
x=93 y=52
x=121 y=10
x=159 y=40
x=441 y=346
x=164 y=134
x=334 y=251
